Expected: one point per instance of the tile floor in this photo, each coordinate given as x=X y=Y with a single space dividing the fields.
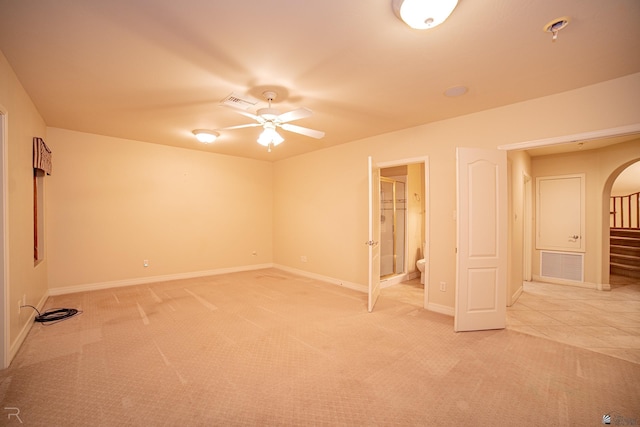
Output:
x=408 y=292
x=602 y=321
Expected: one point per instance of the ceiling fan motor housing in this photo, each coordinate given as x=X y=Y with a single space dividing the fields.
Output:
x=268 y=113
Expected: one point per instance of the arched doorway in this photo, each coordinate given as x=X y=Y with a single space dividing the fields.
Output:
x=622 y=191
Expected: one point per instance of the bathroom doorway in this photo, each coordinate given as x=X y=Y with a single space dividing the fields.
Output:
x=403 y=229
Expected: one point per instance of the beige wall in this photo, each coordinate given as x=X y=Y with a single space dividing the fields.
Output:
x=519 y=165
x=23 y=122
x=601 y=167
x=628 y=182
x=113 y=203
x=320 y=198
x=415 y=214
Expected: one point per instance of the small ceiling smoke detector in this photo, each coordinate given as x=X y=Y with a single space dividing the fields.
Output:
x=555 y=26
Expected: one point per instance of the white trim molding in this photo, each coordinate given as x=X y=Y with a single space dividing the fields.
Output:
x=584 y=136
x=442 y=309
x=152 y=279
x=351 y=285
x=15 y=346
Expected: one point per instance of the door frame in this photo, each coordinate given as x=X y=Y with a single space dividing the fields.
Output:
x=527 y=225
x=424 y=160
x=4 y=243
x=373 y=180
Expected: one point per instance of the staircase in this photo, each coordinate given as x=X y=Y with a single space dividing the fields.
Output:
x=625 y=252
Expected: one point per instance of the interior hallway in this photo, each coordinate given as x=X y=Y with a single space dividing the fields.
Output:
x=605 y=322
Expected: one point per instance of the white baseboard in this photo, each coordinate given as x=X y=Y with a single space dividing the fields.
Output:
x=413 y=275
x=553 y=280
x=516 y=295
x=15 y=345
x=355 y=286
x=442 y=309
x=151 y=279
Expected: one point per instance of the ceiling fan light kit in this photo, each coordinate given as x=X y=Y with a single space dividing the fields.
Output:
x=269 y=136
x=206 y=136
x=423 y=14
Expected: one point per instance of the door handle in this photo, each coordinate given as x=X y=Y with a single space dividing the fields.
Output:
x=573 y=238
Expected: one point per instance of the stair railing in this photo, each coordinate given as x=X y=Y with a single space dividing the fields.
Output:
x=624 y=211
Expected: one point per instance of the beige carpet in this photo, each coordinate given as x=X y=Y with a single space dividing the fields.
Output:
x=270 y=348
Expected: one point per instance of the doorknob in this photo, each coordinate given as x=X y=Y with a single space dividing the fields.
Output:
x=573 y=238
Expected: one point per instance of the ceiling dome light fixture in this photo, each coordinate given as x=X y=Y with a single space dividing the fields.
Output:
x=205 y=135
x=423 y=14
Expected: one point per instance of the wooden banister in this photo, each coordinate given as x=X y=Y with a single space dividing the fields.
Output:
x=624 y=211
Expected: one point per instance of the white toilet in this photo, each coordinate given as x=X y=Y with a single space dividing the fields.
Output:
x=420 y=265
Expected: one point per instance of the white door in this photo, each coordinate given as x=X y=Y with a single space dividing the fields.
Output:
x=481 y=282
x=374 y=234
x=560 y=208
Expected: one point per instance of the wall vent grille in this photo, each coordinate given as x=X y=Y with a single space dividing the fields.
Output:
x=562 y=265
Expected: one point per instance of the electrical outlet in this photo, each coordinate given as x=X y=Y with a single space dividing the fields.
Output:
x=303 y=258
x=145 y=263
x=443 y=286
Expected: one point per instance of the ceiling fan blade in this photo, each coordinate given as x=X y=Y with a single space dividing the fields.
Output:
x=250 y=125
x=250 y=115
x=303 y=131
x=290 y=116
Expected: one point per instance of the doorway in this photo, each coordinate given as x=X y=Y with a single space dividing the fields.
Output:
x=400 y=276
x=393 y=230
x=624 y=225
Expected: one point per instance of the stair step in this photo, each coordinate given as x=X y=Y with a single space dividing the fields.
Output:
x=625 y=232
x=624 y=250
x=625 y=259
x=624 y=270
x=625 y=241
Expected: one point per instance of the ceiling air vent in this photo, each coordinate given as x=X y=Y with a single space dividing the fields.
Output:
x=241 y=102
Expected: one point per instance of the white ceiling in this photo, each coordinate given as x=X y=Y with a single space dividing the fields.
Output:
x=153 y=70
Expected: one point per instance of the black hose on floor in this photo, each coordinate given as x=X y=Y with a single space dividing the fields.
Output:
x=54 y=315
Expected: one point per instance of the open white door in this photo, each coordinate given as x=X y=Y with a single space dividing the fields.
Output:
x=481 y=282
x=374 y=234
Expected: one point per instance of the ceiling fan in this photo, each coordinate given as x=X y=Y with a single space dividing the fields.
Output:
x=270 y=119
